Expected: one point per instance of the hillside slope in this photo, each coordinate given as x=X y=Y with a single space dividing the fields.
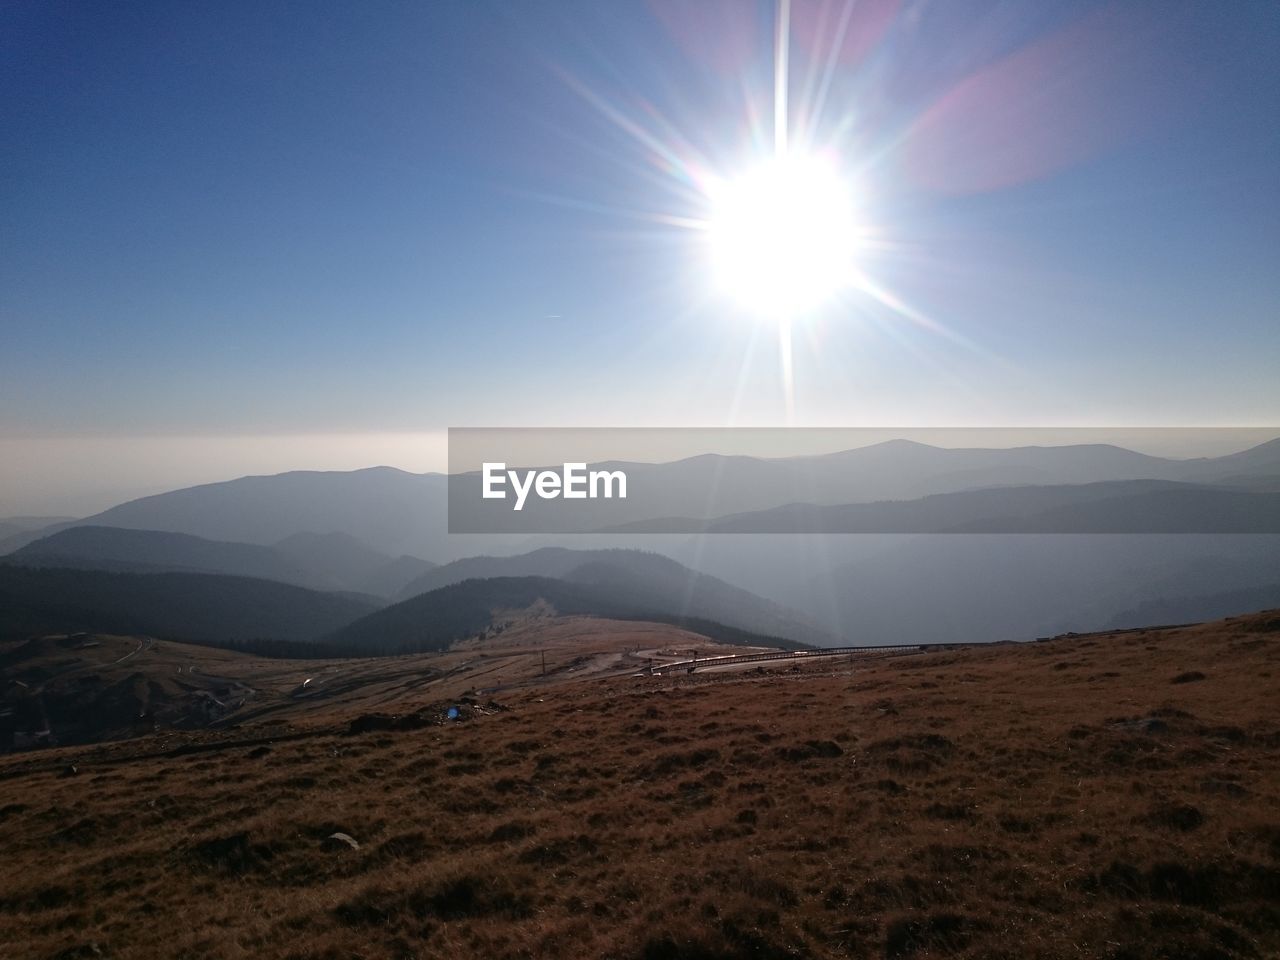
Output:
x=648 y=579
x=398 y=513
x=980 y=587
x=439 y=618
x=153 y=551
x=191 y=606
x=1110 y=797
x=1128 y=506
x=331 y=561
x=349 y=562
x=390 y=510
x=702 y=488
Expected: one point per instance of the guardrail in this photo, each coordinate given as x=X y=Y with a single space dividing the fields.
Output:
x=804 y=655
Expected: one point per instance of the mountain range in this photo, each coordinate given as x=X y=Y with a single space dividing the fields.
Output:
x=398 y=513
x=330 y=561
x=13 y=528
x=204 y=608
x=1116 y=506
x=680 y=496
x=214 y=607
x=435 y=620
x=365 y=536
x=390 y=511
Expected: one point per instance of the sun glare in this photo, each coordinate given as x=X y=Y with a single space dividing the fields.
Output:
x=783 y=236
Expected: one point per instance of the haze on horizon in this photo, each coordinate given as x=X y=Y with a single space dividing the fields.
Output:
x=240 y=239
x=81 y=476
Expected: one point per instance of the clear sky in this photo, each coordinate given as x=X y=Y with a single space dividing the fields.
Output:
x=368 y=219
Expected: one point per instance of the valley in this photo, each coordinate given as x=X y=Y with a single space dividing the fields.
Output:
x=1060 y=562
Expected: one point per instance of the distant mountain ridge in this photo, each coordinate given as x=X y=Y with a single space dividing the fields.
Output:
x=351 y=563
x=436 y=620
x=206 y=608
x=11 y=527
x=50 y=592
x=553 y=562
x=861 y=588
x=1198 y=608
x=151 y=551
x=1125 y=506
x=315 y=561
x=399 y=513
x=645 y=578
x=389 y=510
x=253 y=614
x=711 y=487
x=984 y=587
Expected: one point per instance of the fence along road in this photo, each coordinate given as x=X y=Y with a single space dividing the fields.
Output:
x=697 y=662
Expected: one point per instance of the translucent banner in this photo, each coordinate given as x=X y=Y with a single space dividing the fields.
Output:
x=862 y=480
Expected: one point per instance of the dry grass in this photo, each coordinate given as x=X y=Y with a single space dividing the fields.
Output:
x=1074 y=798
x=96 y=690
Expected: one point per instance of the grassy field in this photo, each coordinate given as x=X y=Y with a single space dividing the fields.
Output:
x=1100 y=796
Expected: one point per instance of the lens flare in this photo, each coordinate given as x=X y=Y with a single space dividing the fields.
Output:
x=783 y=237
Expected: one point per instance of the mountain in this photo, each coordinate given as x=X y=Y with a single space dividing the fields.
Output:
x=389 y=510
x=153 y=551
x=554 y=562
x=16 y=532
x=389 y=579
x=860 y=587
x=332 y=561
x=12 y=526
x=397 y=513
x=1128 y=506
x=1198 y=608
x=650 y=579
x=343 y=559
x=206 y=608
x=1256 y=462
x=947 y=588
x=435 y=620
x=711 y=486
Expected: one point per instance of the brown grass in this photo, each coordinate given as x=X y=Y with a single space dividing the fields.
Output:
x=1057 y=799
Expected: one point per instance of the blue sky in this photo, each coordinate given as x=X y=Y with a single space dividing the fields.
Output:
x=271 y=218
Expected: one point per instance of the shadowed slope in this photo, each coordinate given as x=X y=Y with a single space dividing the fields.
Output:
x=192 y=606
x=645 y=579
x=435 y=620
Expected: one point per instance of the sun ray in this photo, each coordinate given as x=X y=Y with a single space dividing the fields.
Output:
x=781 y=79
x=819 y=100
x=788 y=371
x=788 y=233
x=888 y=298
x=781 y=122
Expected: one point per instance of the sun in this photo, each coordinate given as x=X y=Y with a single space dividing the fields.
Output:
x=783 y=236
